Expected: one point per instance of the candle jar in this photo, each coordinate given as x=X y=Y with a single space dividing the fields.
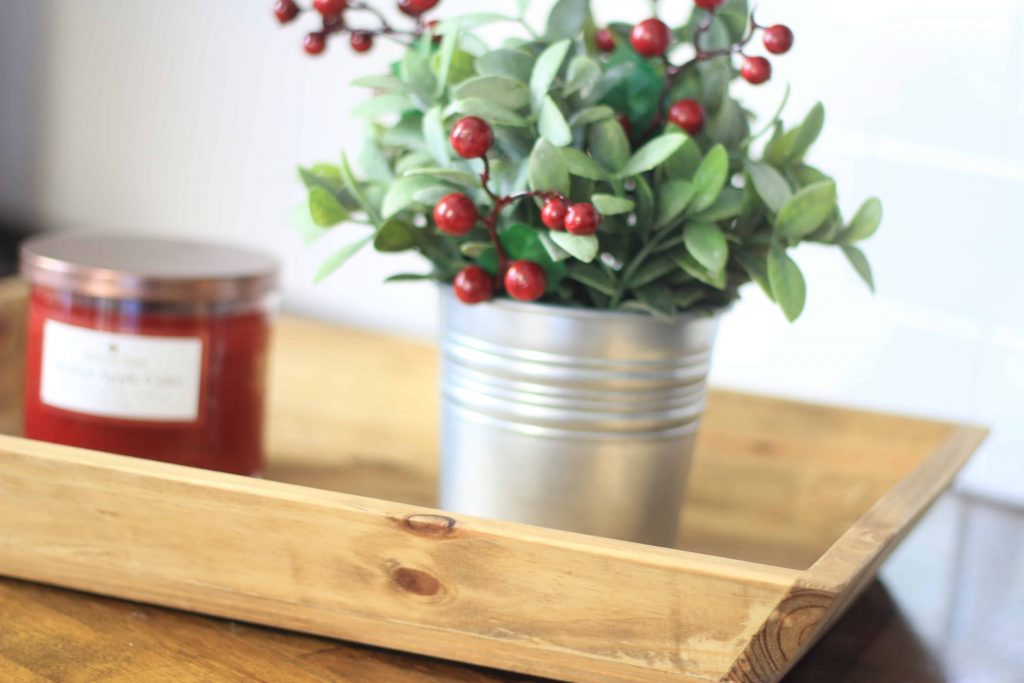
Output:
x=151 y=348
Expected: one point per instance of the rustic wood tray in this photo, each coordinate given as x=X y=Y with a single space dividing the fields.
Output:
x=792 y=508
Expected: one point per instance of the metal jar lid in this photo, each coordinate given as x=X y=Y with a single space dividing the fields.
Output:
x=147 y=269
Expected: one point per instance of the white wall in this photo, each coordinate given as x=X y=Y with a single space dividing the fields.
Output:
x=189 y=118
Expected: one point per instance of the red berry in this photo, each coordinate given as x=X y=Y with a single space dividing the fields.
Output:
x=756 y=70
x=472 y=137
x=688 y=115
x=582 y=219
x=474 y=285
x=456 y=214
x=525 y=281
x=778 y=39
x=361 y=41
x=626 y=124
x=330 y=8
x=605 y=40
x=314 y=43
x=651 y=38
x=553 y=214
x=285 y=10
x=709 y=5
x=414 y=8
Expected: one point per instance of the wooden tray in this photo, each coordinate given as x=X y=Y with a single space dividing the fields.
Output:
x=792 y=508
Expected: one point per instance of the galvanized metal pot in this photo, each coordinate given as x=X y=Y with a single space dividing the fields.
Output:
x=568 y=418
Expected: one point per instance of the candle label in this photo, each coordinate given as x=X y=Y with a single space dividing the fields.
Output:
x=124 y=376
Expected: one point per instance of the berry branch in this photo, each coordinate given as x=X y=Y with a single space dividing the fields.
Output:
x=335 y=14
x=652 y=38
x=457 y=215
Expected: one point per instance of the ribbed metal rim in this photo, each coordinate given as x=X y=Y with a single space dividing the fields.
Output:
x=555 y=310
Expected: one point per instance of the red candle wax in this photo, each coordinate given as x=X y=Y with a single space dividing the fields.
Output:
x=169 y=364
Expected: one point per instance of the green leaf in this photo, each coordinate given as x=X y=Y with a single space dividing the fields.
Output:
x=340 y=257
x=325 y=209
x=674 y=197
x=547 y=170
x=449 y=44
x=609 y=144
x=552 y=124
x=610 y=205
x=514 y=64
x=651 y=271
x=787 y=283
x=413 y=161
x=590 y=115
x=410 y=277
x=806 y=210
x=579 y=164
x=503 y=90
x=546 y=70
x=415 y=72
x=461 y=68
x=657 y=300
x=793 y=145
x=860 y=263
x=757 y=268
x=566 y=19
x=646 y=204
x=865 y=223
x=435 y=136
x=653 y=154
x=492 y=112
x=707 y=245
x=583 y=247
x=683 y=259
x=403 y=193
x=729 y=126
x=373 y=162
x=395 y=235
x=449 y=174
x=710 y=178
x=473 y=250
x=354 y=189
x=592 y=276
x=383 y=105
x=771 y=187
x=688 y=296
x=554 y=251
x=684 y=163
x=584 y=73
x=728 y=205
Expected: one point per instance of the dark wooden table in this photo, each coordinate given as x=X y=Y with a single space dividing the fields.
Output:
x=948 y=608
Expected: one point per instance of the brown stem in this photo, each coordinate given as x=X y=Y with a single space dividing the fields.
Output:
x=500 y=204
x=673 y=72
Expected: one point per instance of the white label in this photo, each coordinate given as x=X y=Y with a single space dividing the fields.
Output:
x=121 y=375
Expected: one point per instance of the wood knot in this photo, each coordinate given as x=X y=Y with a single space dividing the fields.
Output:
x=416 y=581
x=437 y=526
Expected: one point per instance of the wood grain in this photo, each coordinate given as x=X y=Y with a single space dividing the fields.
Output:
x=13 y=308
x=791 y=509
x=542 y=602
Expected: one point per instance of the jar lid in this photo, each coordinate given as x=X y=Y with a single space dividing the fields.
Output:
x=148 y=269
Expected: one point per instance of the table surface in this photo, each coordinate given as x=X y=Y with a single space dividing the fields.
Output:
x=949 y=607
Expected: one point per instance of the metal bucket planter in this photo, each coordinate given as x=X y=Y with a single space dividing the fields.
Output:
x=571 y=419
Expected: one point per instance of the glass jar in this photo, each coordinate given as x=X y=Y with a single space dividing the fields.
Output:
x=147 y=347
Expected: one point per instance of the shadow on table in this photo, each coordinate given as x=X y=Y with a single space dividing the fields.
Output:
x=872 y=643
